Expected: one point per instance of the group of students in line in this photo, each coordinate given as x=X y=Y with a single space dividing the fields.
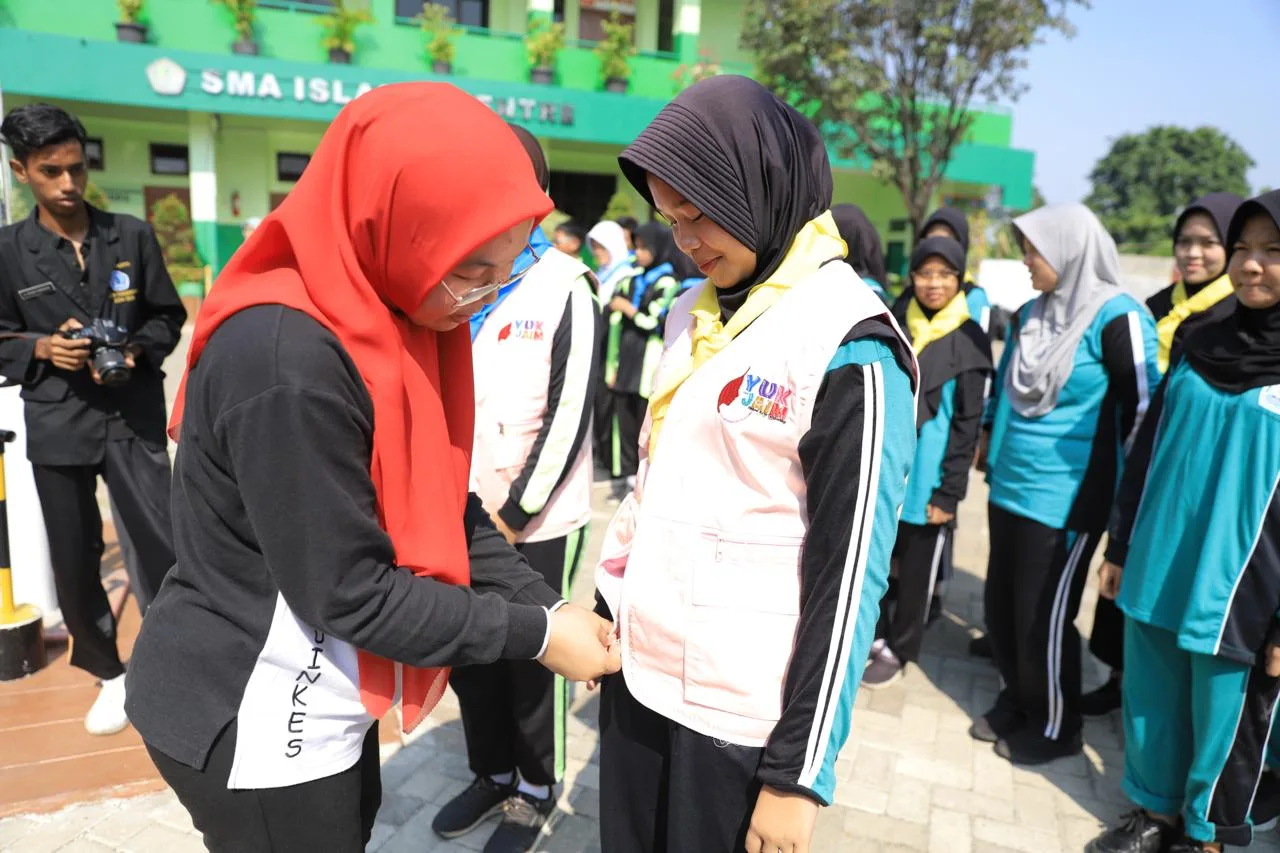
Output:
x=384 y=467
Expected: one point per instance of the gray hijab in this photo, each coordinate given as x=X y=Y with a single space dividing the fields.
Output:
x=1083 y=254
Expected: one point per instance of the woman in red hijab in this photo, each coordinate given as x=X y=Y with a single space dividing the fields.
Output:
x=325 y=537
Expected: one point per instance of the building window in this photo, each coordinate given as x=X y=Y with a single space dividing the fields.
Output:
x=558 y=12
x=896 y=225
x=593 y=13
x=298 y=5
x=170 y=159
x=94 y=154
x=469 y=13
x=666 y=25
x=289 y=167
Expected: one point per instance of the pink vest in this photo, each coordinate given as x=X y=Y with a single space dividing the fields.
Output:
x=512 y=356
x=701 y=566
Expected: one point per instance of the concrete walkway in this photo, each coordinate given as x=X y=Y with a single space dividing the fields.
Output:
x=911 y=778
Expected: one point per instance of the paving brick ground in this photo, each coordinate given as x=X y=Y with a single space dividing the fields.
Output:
x=911 y=779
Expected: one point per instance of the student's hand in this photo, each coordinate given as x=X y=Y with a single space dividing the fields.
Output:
x=64 y=353
x=581 y=647
x=984 y=448
x=1109 y=581
x=506 y=531
x=1273 y=661
x=781 y=823
x=621 y=303
x=938 y=516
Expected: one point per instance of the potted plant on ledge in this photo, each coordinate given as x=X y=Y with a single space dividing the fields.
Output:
x=544 y=43
x=128 y=28
x=340 y=29
x=439 y=31
x=243 y=13
x=615 y=50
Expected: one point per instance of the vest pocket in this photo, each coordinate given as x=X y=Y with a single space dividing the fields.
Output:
x=745 y=605
x=513 y=441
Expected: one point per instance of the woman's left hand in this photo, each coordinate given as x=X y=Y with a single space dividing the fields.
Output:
x=1273 y=661
x=506 y=531
x=781 y=823
x=622 y=304
x=938 y=516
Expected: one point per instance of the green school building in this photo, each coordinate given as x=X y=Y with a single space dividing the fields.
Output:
x=181 y=112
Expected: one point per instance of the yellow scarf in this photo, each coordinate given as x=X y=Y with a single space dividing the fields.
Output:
x=1183 y=308
x=818 y=242
x=925 y=331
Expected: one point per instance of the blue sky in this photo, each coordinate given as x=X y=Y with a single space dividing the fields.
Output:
x=1138 y=63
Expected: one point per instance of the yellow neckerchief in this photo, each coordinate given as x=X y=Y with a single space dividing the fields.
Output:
x=1184 y=307
x=818 y=242
x=925 y=331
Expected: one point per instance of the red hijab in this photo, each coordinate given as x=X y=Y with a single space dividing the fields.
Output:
x=407 y=181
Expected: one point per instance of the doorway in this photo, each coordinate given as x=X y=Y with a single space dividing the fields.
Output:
x=585 y=197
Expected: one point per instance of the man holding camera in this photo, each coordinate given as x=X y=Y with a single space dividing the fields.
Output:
x=88 y=314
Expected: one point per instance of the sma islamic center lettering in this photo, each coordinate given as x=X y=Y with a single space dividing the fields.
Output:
x=168 y=78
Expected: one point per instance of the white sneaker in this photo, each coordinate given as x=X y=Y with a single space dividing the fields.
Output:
x=107 y=716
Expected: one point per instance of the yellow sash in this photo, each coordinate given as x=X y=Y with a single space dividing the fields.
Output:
x=818 y=242
x=1183 y=308
x=925 y=331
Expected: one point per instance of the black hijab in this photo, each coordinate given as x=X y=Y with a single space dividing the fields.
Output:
x=953 y=219
x=752 y=163
x=1242 y=350
x=866 y=255
x=1220 y=207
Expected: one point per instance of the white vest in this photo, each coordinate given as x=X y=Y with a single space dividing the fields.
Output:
x=512 y=357
x=701 y=566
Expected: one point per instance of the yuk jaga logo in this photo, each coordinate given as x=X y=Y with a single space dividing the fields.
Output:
x=753 y=394
x=521 y=330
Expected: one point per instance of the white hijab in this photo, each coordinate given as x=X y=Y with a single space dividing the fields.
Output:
x=613 y=238
x=1083 y=254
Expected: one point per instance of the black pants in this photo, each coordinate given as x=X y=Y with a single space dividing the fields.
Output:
x=138 y=481
x=1107 y=640
x=513 y=711
x=665 y=788
x=602 y=429
x=628 y=417
x=1035 y=578
x=920 y=550
x=334 y=814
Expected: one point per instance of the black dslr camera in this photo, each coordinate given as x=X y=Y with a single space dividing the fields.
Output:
x=106 y=349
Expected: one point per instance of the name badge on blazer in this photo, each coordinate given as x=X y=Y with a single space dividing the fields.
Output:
x=26 y=294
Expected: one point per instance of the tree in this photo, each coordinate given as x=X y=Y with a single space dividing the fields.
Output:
x=1146 y=178
x=896 y=80
x=172 y=223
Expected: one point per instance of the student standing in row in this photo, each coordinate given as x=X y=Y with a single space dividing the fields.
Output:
x=330 y=559
x=1074 y=383
x=865 y=253
x=535 y=349
x=634 y=342
x=779 y=436
x=611 y=247
x=955 y=361
x=1193 y=555
x=1202 y=294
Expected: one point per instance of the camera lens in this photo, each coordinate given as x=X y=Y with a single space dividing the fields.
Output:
x=111 y=367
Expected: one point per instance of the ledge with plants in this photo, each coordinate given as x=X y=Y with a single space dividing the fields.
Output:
x=544 y=43
x=439 y=31
x=340 y=28
x=244 y=15
x=615 y=51
x=130 y=27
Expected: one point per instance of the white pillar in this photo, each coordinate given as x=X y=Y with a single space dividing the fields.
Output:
x=202 y=151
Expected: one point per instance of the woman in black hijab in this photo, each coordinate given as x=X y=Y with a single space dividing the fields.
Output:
x=865 y=253
x=1193 y=561
x=778 y=436
x=950 y=222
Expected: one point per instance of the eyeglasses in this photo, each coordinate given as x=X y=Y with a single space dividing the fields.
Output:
x=475 y=295
x=930 y=277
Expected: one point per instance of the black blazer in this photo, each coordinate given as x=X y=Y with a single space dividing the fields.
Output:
x=69 y=417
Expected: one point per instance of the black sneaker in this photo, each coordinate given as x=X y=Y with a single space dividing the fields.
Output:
x=1104 y=700
x=1029 y=747
x=482 y=800
x=883 y=670
x=995 y=724
x=1137 y=832
x=980 y=647
x=1188 y=845
x=523 y=817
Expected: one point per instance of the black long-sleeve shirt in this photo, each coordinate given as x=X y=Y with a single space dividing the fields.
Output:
x=272 y=498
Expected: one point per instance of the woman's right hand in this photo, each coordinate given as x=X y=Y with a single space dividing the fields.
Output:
x=582 y=645
x=984 y=447
x=1109 y=579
